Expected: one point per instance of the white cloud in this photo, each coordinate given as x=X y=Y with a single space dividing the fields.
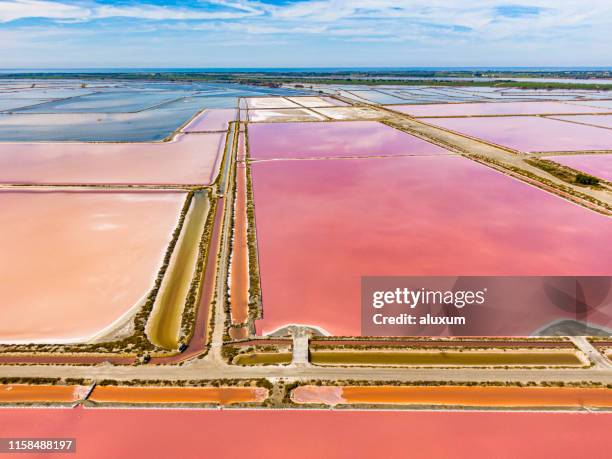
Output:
x=424 y=24
x=11 y=10
x=473 y=14
x=160 y=13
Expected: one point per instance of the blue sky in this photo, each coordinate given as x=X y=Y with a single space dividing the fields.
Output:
x=320 y=33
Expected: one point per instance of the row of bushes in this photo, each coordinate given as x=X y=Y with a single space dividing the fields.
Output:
x=224 y=382
x=255 y=308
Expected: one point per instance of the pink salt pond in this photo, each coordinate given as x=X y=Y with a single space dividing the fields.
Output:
x=602 y=105
x=597 y=165
x=527 y=133
x=594 y=120
x=493 y=108
x=211 y=120
x=323 y=224
x=188 y=159
x=341 y=139
x=74 y=263
x=307 y=434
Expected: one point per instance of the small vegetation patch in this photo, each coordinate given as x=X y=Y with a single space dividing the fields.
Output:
x=584 y=179
x=564 y=173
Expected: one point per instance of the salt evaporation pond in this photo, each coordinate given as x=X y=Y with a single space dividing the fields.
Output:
x=145 y=126
x=124 y=101
x=603 y=105
x=527 y=133
x=378 y=97
x=595 y=120
x=493 y=108
x=345 y=139
x=339 y=434
x=597 y=165
x=270 y=102
x=189 y=159
x=314 y=101
x=211 y=120
x=284 y=115
x=135 y=111
x=322 y=224
x=13 y=104
x=73 y=263
x=484 y=396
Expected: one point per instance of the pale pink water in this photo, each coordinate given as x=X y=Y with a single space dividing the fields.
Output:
x=211 y=120
x=106 y=433
x=493 y=108
x=311 y=101
x=602 y=105
x=530 y=133
x=595 y=120
x=270 y=102
x=323 y=224
x=336 y=102
x=74 y=262
x=350 y=138
x=189 y=159
x=597 y=165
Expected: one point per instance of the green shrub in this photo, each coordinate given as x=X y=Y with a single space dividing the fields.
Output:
x=585 y=179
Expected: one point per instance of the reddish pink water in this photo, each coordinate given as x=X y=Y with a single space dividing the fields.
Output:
x=211 y=120
x=72 y=263
x=189 y=159
x=321 y=225
x=105 y=433
x=595 y=120
x=493 y=108
x=355 y=139
x=530 y=133
x=597 y=165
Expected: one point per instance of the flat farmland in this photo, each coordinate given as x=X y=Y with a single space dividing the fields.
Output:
x=323 y=224
x=331 y=140
x=188 y=159
x=73 y=264
x=597 y=165
x=526 y=133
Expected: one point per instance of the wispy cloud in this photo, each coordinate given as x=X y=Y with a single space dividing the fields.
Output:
x=11 y=10
x=408 y=27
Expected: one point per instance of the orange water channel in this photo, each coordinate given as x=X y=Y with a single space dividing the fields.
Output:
x=220 y=395
x=239 y=290
x=24 y=393
x=456 y=396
